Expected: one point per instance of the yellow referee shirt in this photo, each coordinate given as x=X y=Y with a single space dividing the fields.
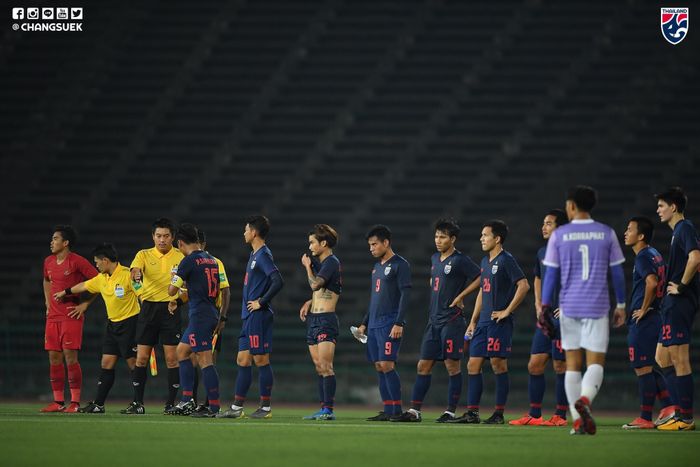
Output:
x=117 y=292
x=156 y=269
x=223 y=281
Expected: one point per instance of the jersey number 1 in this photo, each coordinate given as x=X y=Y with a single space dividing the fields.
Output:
x=585 y=267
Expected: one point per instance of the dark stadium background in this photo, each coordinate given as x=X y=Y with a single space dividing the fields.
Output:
x=347 y=112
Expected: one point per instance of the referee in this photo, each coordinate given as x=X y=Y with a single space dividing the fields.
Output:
x=153 y=269
x=114 y=284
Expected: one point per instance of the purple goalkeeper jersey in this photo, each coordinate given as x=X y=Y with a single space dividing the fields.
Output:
x=583 y=250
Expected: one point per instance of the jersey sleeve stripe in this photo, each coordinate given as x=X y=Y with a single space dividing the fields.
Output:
x=550 y=264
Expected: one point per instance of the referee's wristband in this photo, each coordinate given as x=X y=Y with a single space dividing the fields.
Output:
x=179 y=302
x=67 y=291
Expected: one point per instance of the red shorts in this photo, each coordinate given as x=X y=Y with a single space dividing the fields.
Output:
x=63 y=335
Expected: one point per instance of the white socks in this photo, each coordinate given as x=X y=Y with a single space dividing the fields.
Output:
x=572 y=384
x=592 y=380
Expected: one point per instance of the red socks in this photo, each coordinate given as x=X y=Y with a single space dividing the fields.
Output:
x=75 y=381
x=57 y=375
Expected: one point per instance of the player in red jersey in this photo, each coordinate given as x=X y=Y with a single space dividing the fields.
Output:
x=64 y=319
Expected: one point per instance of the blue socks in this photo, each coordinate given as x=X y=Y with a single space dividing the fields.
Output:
x=454 y=392
x=474 y=390
x=243 y=381
x=502 y=389
x=211 y=384
x=562 y=401
x=186 y=379
x=393 y=385
x=384 y=393
x=670 y=375
x=685 y=396
x=662 y=392
x=329 y=392
x=535 y=389
x=420 y=389
x=647 y=394
x=266 y=380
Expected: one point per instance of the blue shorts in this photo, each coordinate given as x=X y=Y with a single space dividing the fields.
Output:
x=492 y=339
x=543 y=344
x=444 y=342
x=256 y=333
x=677 y=315
x=199 y=332
x=381 y=347
x=321 y=327
x=642 y=339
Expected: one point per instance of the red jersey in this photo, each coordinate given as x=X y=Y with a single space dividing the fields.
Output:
x=72 y=271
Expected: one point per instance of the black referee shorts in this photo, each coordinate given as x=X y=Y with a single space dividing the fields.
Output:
x=120 y=338
x=157 y=324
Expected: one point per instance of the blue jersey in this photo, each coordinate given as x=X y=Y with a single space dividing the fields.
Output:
x=331 y=272
x=448 y=278
x=257 y=278
x=201 y=273
x=390 y=283
x=540 y=269
x=648 y=261
x=684 y=240
x=498 y=284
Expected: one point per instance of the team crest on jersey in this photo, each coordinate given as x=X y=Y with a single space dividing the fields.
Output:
x=494 y=268
x=448 y=268
x=387 y=270
x=252 y=265
x=675 y=23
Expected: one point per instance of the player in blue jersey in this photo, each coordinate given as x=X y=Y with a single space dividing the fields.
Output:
x=385 y=317
x=644 y=322
x=680 y=303
x=543 y=348
x=198 y=272
x=503 y=288
x=261 y=283
x=579 y=256
x=319 y=314
x=453 y=276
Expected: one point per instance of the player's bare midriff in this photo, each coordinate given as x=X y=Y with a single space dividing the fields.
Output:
x=323 y=301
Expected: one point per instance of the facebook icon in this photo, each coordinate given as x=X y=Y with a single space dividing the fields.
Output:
x=18 y=13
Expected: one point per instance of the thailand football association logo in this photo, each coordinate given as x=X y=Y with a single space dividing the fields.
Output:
x=448 y=268
x=494 y=268
x=387 y=270
x=675 y=23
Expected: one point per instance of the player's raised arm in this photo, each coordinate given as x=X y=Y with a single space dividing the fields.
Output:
x=315 y=282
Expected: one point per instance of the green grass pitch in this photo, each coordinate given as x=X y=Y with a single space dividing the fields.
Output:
x=30 y=438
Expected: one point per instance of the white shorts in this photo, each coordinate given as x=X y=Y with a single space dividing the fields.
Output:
x=588 y=333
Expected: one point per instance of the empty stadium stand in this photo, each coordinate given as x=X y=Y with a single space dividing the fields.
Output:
x=347 y=112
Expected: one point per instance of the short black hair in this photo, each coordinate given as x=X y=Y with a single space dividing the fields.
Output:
x=583 y=196
x=448 y=226
x=260 y=224
x=674 y=195
x=68 y=234
x=644 y=226
x=560 y=216
x=201 y=236
x=382 y=232
x=106 y=250
x=163 y=223
x=499 y=229
x=187 y=233
x=325 y=232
